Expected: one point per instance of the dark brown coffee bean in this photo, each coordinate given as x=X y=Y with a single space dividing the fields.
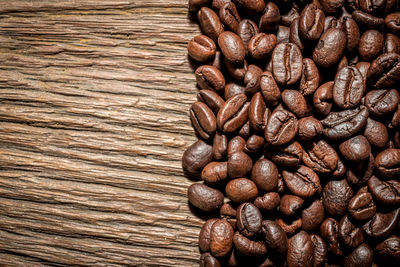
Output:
x=289 y=155
x=363 y=67
x=288 y=17
x=295 y=102
x=355 y=149
x=207 y=260
x=294 y=35
x=290 y=226
x=352 y=33
x=359 y=173
x=275 y=237
x=239 y=165
x=389 y=249
x=309 y=128
x=371 y=44
x=261 y=45
x=372 y=7
x=362 y=207
x=348 y=88
x=268 y=202
x=311 y=22
x=236 y=144
x=256 y=112
x=388 y=162
x=254 y=144
x=204 y=236
x=300 y=250
x=392 y=22
x=376 y=133
x=332 y=6
x=309 y=78
x=249 y=247
x=249 y=219
x=343 y=124
x=360 y=257
x=287 y=63
x=232 y=89
x=241 y=190
x=211 y=99
x=303 y=182
x=203 y=120
x=323 y=98
x=205 y=197
x=209 y=23
x=210 y=78
x=198 y=155
x=252 y=79
x=330 y=48
x=233 y=114
x=384 y=71
x=320 y=250
x=281 y=127
x=218 y=4
x=340 y=169
x=392 y=44
x=244 y=131
x=230 y=16
x=350 y=235
x=385 y=192
x=367 y=20
x=290 y=204
x=215 y=173
x=282 y=35
x=336 y=196
x=221 y=238
x=320 y=156
x=382 y=102
x=270 y=18
x=330 y=232
x=270 y=89
x=382 y=224
x=201 y=48
x=220 y=146
x=332 y=22
x=252 y=7
x=265 y=175
x=313 y=216
x=232 y=47
x=246 y=30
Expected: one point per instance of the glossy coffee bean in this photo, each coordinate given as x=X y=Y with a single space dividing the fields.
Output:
x=265 y=175
x=371 y=45
x=254 y=144
x=367 y=20
x=382 y=102
x=392 y=44
x=320 y=250
x=252 y=79
x=385 y=192
x=270 y=89
x=311 y=22
x=309 y=128
x=330 y=232
x=348 y=88
x=352 y=33
x=201 y=48
x=350 y=235
x=361 y=256
x=232 y=89
x=249 y=247
x=232 y=47
x=336 y=196
x=320 y=156
x=205 y=197
x=230 y=16
x=282 y=35
x=210 y=78
x=289 y=155
x=221 y=238
x=251 y=6
x=239 y=165
x=303 y=182
x=211 y=99
x=309 y=81
x=287 y=63
x=376 y=133
x=204 y=236
x=290 y=226
x=313 y=216
x=274 y=236
x=281 y=127
x=233 y=114
x=362 y=207
x=207 y=260
x=294 y=35
x=256 y=112
x=300 y=250
x=246 y=30
x=384 y=71
x=389 y=249
x=241 y=190
x=288 y=17
x=236 y=144
x=392 y=22
x=203 y=120
x=196 y=157
x=215 y=173
x=330 y=48
x=210 y=23
x=355 y=149
x=295 y=102
x=268 y=202
x=382 y=224
x=249 y=219
x=332 y=6
x=220 y=146
x=261 y=45
x=388 y=162
x=270 y=18
x=290 y=204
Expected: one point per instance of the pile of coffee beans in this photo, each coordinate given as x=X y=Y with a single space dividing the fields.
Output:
x=298 y=120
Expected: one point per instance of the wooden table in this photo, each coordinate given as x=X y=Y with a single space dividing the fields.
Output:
x=94 y=99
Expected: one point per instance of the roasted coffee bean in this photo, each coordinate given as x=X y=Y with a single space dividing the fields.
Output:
x=336 y=196
x=236 y=71
x=205 y=197
x=392 y=22
x=256 y=112
x=230 y=16
x=220 y=146
x=251 y=6
x=376 y=133
x=389 y=249
x=228 y=210
x=201 y=48
x=288 y=17
x=295 y=102
x=382 y=102
x=355 y=149
x=196 y=157
x=282 y=35
x=332 y=6
x=221 y=238
x=294 y=35
x=254 y=144
x=340 y=169
x=350 y=235
x=323 y=98
x=343 y=124
x=232 y=47
x=290 y=226
x=287 y=63
x=330 y=232
x=241 y=190
x=303 y=182
x=348 y=88
x=358 y=173
x=362 y=207
x=233 y=114
x=367 y=20
x=249 y=219
x=352 y=33
x=330 y=48
x=363 y=67
x=281 y=127
x=372 y=7
x=384 y=71
x=311 y=22
x=210 y=23
x=211 y=99
x=252 y=79
x=371 y=44
x=239 y=165
x=290 y=204
x=309 y=128
x=246 y=30
x=207 y=260
x=320 y=156
x=236 y=144
x=300 y=250
x=218 y=4
x=265 y=175
x=270 y=18
x=270 y=89
x=392 y=44
x=203 y=120
x=210 y=78
x=261 y=45
x=382 y=224
x=385 y=192
x=249 y=247
x=360 y=257
x=313 y=216
x=309 y=78
x=289 y=155
x=320 y=250
x=204 y=236
x=232 y=89
x=275 y=237
x=215 y=173
x=268 y=202
x=388 y=162
x=332 y=22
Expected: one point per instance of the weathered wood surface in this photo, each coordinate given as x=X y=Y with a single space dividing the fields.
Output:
x=94 y=97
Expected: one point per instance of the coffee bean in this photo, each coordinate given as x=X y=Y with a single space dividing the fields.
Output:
x=372 y=7
x=332 y=22
x=309 y=128
x=323 y=98
x=294 y=35
x=382 y=224
x=362 y=207
x=355 y=149
x=236 y=144
x=236 y=71
x=288 y=17
x=295 y=102
x=371 y=44
x=204 y=236
x=320 y=250
x=392 y=44
x=388 y=162
x=311 y=22
x=246 y=30
x=336 y=196
x=232 y=89
x=330 y=48
x=233 y=114
x=350 y=235
x=230 y=16
x=300 y=250
x=249 y=247
x=376 y=133
x=270 y=18
x=228 y=210
x=281 y=127
x=261 y=45
x=309 y=78
x=215 y=173
x=303 y=182
x=290 y=204
x=251 y=6
x=290 y=226
x=232 y=47
x=385 y=192
x=210 y=23
x=392 y=22
x=287 y=63
x=389 y=248
x=265 y=175
x=348 y=88
x=382 y=102
x=252 y=79
x=367 y=20
x=282 y=35
x=196 y=157
x=203 y=120
x=330 y=232
x=205 y=197
x=275 y=237
x=361 y=256
x=201 y=48
x=207 y=260
x=211 y=99
x=268 y=202
x=358 y=173
x=239 y=165
x=352 y=33
x=384 y=71
x=289 y=155
x=210 y=78
x=254 y=144
x=270 y=89
x=241 y=190
x=320 y=156
x=256 y=112
x=220 y=146
x=332 y=6
x=340 y=169
x=313 y=216
x=221 y=238
x=249 y=219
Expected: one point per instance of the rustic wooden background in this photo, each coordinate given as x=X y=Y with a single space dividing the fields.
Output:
x=94 y=97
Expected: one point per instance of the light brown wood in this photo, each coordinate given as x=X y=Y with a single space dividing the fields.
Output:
x=93 y=122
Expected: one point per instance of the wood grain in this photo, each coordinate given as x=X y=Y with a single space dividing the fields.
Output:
x=93 y=122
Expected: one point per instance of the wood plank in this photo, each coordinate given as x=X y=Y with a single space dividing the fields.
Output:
x=94 y=97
